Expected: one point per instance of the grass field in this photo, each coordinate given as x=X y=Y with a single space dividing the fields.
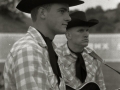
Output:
x=112 y=79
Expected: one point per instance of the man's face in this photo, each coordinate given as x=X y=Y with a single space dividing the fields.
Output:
x=58 y=18
x=78 y=36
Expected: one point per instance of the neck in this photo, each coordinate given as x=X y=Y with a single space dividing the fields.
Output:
x=75 y=48
x=44 y=30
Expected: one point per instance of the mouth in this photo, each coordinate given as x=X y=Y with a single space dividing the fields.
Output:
x=65 y=24
x=86 y=40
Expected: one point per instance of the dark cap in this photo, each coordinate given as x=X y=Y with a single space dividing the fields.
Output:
x=28 y=5
x=79 y=19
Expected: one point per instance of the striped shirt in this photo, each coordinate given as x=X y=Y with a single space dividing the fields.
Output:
x=67 y=61
x=27 y=66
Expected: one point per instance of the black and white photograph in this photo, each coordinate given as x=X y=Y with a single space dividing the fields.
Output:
x=59 y=44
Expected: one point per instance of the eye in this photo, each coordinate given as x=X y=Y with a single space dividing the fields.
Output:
x=81 y=30
x=62 y=11
x=87 y=30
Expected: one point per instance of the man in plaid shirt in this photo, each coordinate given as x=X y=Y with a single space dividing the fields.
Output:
x=76 y=72
x=28 y=64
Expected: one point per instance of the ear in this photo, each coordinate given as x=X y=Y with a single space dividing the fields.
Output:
x=68 y=35
x=42 y=12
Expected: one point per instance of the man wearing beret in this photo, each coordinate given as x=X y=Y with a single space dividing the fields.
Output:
x=32 y=61
x=77 y=66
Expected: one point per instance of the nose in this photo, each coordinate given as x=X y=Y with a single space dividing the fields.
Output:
x=68 y=18
x=86 y=34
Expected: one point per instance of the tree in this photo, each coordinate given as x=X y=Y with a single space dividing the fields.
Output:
x=8 y=7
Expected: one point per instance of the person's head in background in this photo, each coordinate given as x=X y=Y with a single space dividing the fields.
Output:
x=77 y=32
x=51 y=17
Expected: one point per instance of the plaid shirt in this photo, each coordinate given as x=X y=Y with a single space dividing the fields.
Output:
x=67 y=65
x=27 y=66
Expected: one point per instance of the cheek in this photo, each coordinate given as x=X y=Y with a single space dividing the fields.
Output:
x=51 y=18
x=77 y=38
x=55 y=21
x=58 y=24
x=59 y=21
x=51 y=22
x=76 y=35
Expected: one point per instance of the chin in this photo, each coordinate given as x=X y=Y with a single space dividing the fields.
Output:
x=60 y=31
x=85 y=44
x=63 y=31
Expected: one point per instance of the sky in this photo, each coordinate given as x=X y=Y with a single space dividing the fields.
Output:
x=105 y=4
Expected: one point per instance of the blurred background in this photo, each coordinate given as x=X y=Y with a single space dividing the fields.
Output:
x=104 y=37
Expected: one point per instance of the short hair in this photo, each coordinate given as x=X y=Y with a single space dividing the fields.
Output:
x=34 y=12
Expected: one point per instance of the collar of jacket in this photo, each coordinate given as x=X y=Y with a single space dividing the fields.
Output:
x=38 y=37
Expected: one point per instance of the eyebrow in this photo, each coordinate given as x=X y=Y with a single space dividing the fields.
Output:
x=62 y=8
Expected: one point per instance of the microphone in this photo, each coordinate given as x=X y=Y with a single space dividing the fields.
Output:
x=94 y=55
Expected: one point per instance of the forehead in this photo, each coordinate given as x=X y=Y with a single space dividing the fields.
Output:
x=59 y=5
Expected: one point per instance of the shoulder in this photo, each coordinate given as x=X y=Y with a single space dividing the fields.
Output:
x=92 y=56
x=23 y=52
x=26 y=43
x=60 y=50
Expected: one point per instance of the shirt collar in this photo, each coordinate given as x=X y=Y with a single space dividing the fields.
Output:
x=38 y=37
x=66 y=51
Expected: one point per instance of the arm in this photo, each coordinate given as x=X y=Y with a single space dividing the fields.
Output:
x=28 y=70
